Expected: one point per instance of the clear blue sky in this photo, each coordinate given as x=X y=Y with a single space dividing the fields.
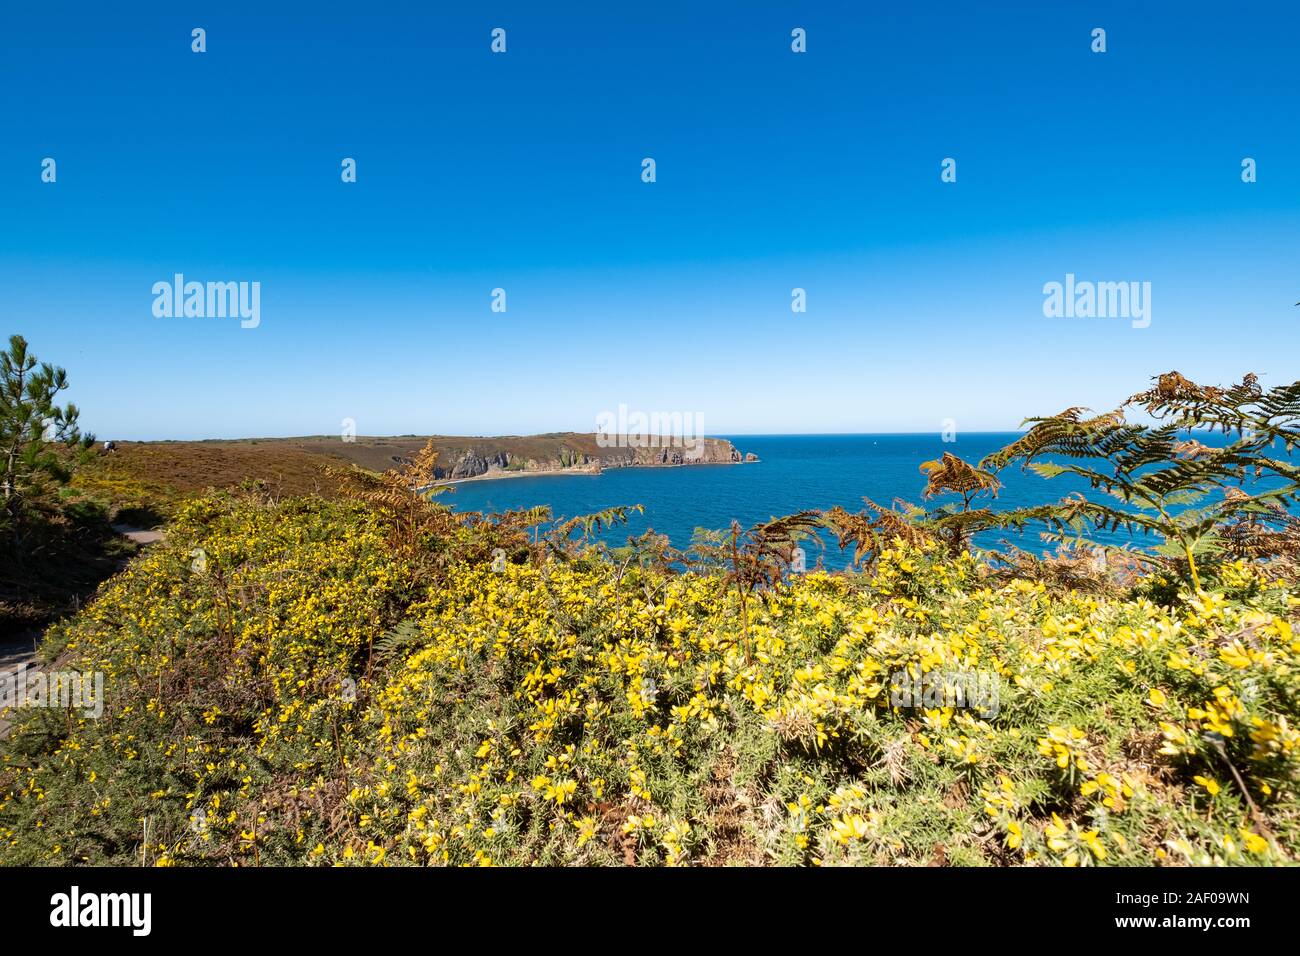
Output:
x=522 y=171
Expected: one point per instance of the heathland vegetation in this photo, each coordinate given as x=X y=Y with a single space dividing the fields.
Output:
x=367 y=677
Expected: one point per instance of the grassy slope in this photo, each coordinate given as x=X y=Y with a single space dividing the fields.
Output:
x=303 y=700
x=142 y=483
x=167 y=471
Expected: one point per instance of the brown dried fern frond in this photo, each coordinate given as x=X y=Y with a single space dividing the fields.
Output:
x=402 y=497
x=1192 y=449
x=872 y=530
x=1067 y=433
x=1172 y=388
x=952 y=474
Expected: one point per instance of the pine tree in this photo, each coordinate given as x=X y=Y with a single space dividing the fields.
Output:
x=36 y=435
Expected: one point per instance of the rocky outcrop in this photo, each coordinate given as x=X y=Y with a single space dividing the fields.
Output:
x=471 y=465
x=709 y=451
x=477 y=462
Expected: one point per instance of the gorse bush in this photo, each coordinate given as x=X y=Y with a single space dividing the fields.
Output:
x=559 y=714
x=380 y=681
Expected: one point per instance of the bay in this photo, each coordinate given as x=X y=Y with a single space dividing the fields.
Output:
x=794 y=473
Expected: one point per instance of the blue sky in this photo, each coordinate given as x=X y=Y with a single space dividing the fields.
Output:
x=523 y=171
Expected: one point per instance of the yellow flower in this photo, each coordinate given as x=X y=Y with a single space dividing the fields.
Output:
x=1014 y=835
x=1235 y=655
x=560 y=791
x=850 y=827
x=1055 y=833
x=1064 y=744
x=1253 y=842
x=1092 y=841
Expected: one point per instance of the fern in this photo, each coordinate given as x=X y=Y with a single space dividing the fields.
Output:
x=560 y=538
x=756 y=558
x=398 y=641
x=1162 y=484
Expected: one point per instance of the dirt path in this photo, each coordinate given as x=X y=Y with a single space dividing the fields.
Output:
x=20 y=649
x=140 y=536
x=15 y=653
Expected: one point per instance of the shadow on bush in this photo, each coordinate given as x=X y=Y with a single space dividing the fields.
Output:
x=145 y=517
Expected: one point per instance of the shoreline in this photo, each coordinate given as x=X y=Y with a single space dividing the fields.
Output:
x=500 y=473
x=595 y=471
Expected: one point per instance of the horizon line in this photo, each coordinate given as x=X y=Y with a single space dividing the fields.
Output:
x=723 y=436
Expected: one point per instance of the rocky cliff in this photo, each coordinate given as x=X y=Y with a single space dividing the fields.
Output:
x=582 y=454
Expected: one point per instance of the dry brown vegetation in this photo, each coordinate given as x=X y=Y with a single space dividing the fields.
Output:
x=293 y=466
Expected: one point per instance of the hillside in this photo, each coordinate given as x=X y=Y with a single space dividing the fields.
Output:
x=309 y=695
x=371 y=678
x=141 y=484
x=169 y=470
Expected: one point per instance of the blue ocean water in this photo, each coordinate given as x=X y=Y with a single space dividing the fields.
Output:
x=795 y=473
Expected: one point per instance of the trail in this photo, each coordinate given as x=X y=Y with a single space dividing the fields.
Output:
x=140 y=536
x=16 y=652
x=19 y=650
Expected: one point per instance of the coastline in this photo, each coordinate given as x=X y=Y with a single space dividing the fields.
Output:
x=592 y=470
x=500 y=473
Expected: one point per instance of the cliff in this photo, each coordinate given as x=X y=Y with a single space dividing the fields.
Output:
x=168 y=471
x=571 y=453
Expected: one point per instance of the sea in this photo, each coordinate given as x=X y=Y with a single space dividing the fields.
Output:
x=794 y=473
